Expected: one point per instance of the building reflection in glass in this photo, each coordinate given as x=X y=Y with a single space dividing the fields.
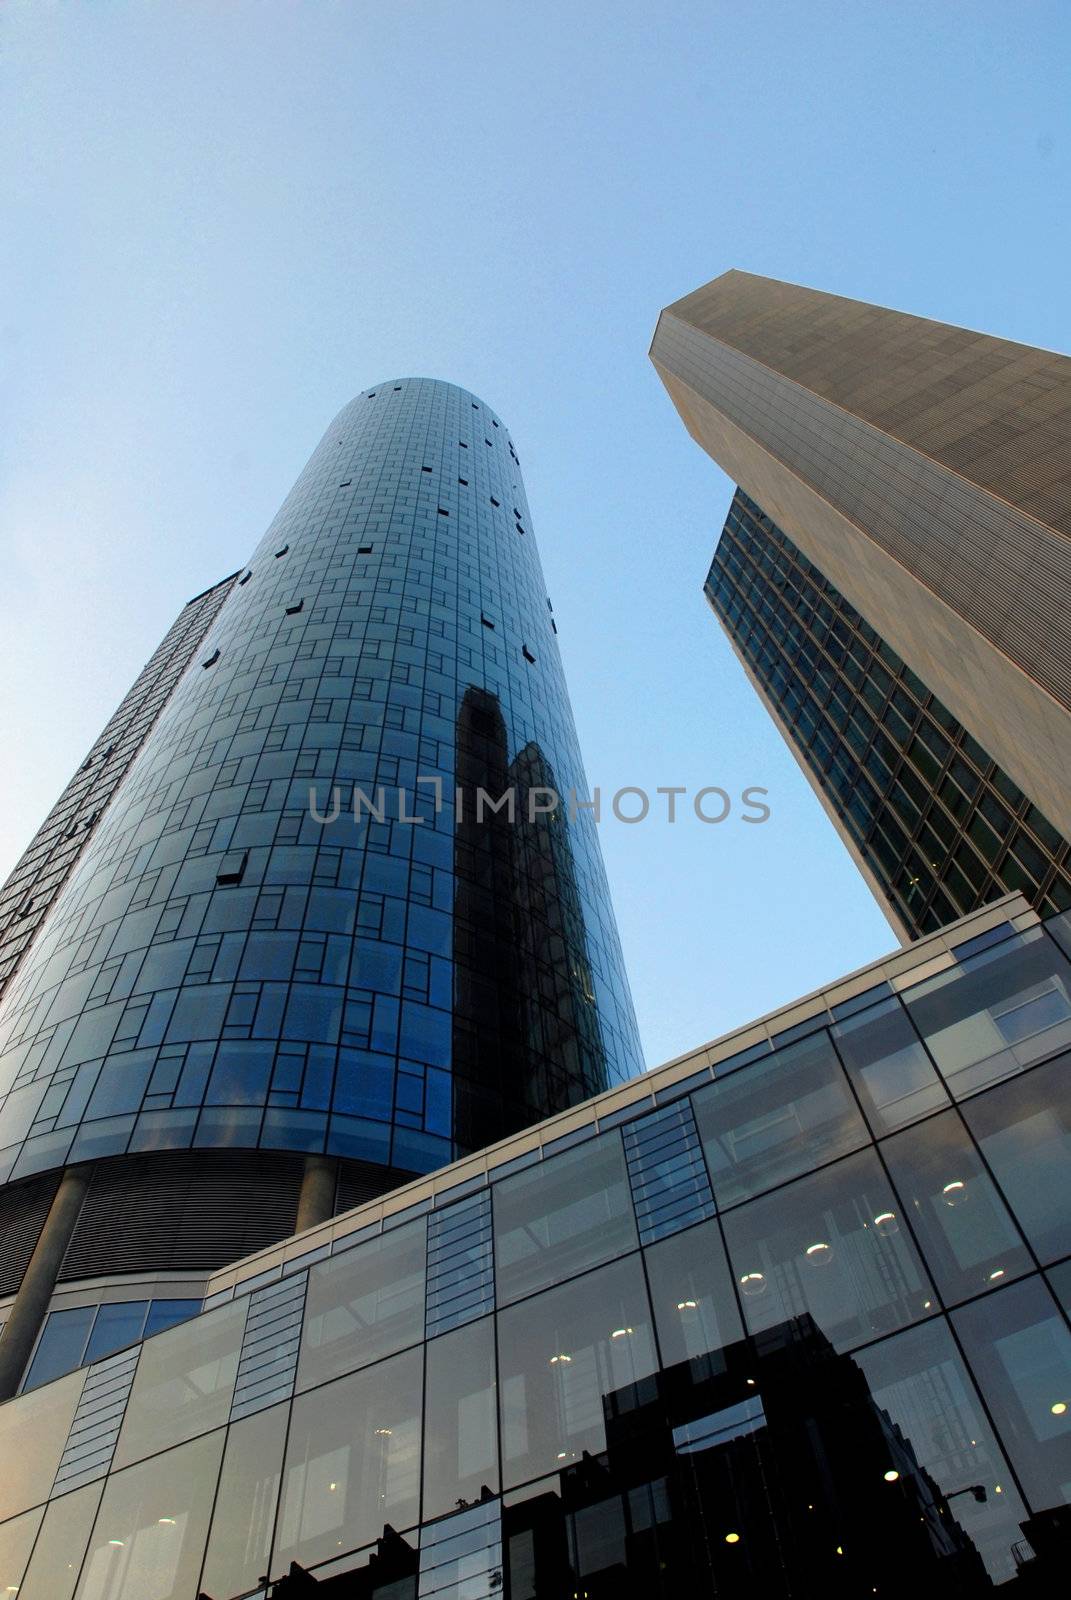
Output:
x=526 y=1033
x=771 y=1469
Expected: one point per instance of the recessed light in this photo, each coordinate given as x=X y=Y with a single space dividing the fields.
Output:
x=732 y=1538
x=891 y=1476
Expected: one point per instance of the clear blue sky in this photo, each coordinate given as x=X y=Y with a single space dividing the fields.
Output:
x=222 y=220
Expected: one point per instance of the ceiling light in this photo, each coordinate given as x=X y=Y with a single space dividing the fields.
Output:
x=954 y=1191
x=687 y=1305
x=891 y=1476
x=820 y=1254
x=998 y=1272
x=554 y=1360
x=753 y=1283
x=732 y=1538
x=885 y=1222
x=620 y=1333
x=1059 y=1408
x=166 y=1522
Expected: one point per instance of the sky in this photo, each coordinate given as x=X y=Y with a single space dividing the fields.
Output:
x=221 y=221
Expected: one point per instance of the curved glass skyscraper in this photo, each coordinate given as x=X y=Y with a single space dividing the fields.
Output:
x=298 y=928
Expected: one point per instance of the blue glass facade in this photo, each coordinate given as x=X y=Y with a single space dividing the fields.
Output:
x=229 y=967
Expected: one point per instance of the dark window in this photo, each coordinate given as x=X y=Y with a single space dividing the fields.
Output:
x=425 y=469
x=282 y=552
x=364 y=549
x=244 y=578
x=345 y=483
x=486 y=621
x=495 y=502
x=528 y=656
x=443 y=511
x=212 y=659
x=464 y=481
x=299 y=605
x=232 y=867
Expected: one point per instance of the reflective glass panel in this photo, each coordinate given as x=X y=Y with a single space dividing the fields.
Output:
x=692 y=1294
x=558 y=1218
x=115 y=1326
x=16 y=1542
x=244 y=1516
x=364 y=1304
x=166 y=1313
x=889 y=1068
x=967 y=1236
x=1018 y=1345
x=919 y=1380
x=780 y=1116
x=149 y=1536
x=352 y=1462
x=831 y=1245
x=61 y=1345
x=183 y=1384
x=996 y=1013
x=460 y=1422
x=564 y=1357
x=33 y=1432
x=57 y=1556
x=1024 y=1130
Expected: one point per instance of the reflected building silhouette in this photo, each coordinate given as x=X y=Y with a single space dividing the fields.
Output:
x=526 y=1034
x=764 y=1468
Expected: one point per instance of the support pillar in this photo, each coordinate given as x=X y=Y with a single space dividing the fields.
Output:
x=319 y=1183
x=39 y=1281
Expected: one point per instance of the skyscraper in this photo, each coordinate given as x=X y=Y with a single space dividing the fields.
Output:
x=43 y=866
x=294 y=964
x=895 y=575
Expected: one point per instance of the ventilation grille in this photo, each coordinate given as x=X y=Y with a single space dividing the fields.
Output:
x=461 y=1556
x=91 y=1442
x=182 y=1211
x=461 y=1284
x=268 y=1363
x=23 y=1210
x=669 y=1179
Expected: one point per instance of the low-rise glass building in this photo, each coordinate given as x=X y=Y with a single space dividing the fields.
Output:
x=787 y=1316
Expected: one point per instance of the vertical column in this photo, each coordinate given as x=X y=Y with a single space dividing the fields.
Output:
x=39 y=1281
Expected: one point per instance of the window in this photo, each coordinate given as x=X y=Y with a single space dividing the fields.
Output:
x=443 y=511
x=244 y=578
x=487 y=622
x=242 y=1523
x=568 y=1358
x=464 y=482
x=184 y=1382
x=281 y=552
x=527 y=654
x=562 y=1216
x=149 y=1536
x=995 y=1013
x=919 y=1381
x=967 y=1236
x=292 y=611
x=364 y=549
x=460 y=1424
x=1024 y=1129
x=890 y=1071
x=1020 y=1350
x=778 y=1117
x=232 y=867
x=352 y=1462
x=366 y=1303
x=692 y=1295
x=831 y=1244
x=212 y=659
x=425 y=469
x=495 y=502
